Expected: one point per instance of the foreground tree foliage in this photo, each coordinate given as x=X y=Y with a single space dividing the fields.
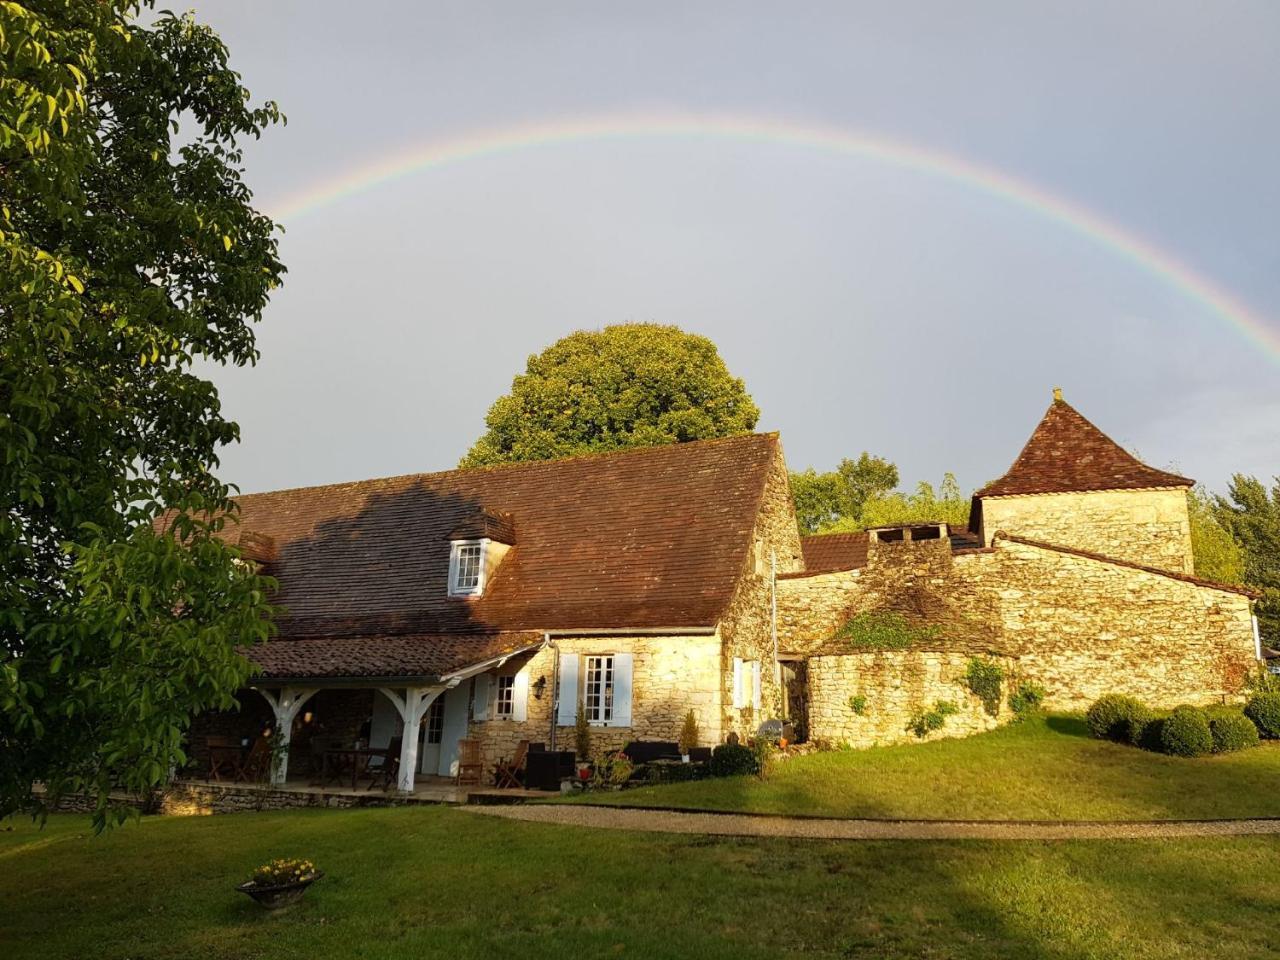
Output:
x=128 y=254
x=630 y=385
x=1252 y=515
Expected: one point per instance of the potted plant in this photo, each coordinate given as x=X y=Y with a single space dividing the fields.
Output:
x=688 y=738
x=280 y=882
x=582 y=742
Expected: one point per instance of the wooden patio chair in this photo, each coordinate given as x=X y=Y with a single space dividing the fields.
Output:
x=470 y=767
x=224 y=757
x=257 y=765
x=388 y=768
x=507 y=773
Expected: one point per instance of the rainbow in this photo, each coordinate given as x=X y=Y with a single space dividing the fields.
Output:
x=1035 y=200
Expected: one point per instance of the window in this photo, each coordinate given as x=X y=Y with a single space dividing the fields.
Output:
x=466 y=568
x=504 y=709
x=435 y=721
x=597 y=694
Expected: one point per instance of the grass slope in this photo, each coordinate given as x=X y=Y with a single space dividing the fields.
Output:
x=1044 y=769
x=433 y=882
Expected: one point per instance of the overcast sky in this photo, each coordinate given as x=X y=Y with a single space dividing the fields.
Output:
x=867 y=306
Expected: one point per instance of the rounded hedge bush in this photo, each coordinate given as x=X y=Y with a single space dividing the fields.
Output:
x=1264 y=710
x=733 y=760
x=1109 y=717
x=1186 y=733
x=1142 y=728
x=1232 y=731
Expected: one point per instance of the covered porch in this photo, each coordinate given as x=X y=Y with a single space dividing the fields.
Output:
x=329 y=717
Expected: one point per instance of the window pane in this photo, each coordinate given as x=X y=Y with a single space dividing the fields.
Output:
x=506 y=696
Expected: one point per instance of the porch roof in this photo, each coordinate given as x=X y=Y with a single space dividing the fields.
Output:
x=409 y=656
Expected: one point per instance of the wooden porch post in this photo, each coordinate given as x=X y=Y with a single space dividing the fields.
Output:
x=285 y=705
x=412 y=706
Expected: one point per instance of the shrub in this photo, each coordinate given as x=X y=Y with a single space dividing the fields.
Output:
x=1264 y=710
x=732 y=760
x=581 y=734
x=1142 y=728
x=923 y=723
x=858 y=704
x=1108 y=718
x=1185 y=733
x=688 y=734
x=984 y=678
x=1262 y=680
x=1232 y=731
x=1026 y=699
x=764 y=751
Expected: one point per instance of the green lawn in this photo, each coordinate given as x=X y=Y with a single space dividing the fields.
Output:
x=1043 y=769
x=436 y=882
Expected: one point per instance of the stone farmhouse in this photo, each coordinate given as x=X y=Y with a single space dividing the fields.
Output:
x=490 y=603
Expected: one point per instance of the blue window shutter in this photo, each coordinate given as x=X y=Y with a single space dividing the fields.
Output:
x=622 y=666
x=567 y=710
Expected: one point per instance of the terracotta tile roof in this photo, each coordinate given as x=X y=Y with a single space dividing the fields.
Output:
x=828 y=552
x=482 y=523
x=1067 y=453
x=1103 y=558
x=411 y=655
x=646 y=538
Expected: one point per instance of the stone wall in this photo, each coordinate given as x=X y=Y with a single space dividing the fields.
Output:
x=1144 y=526
x=812 y=609
x=1085 y=627
x=203 y=799
x=670 y=676
x=897 y=685
x=1080 y=626
x=747 y=627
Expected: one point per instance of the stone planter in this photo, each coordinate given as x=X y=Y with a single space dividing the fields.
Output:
x=282 y=895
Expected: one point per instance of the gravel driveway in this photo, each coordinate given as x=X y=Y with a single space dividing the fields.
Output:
x=748 y=825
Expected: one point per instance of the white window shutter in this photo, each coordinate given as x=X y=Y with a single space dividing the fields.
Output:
x=567 y=710
x=520 y=697
x=622 y=665
x=755 y=685
x=480 y=699
x=737 y=683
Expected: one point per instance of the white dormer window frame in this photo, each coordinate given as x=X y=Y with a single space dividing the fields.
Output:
x=464 y=580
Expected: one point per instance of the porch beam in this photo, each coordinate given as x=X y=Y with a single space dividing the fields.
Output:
x=285 y=705
x=412 y=704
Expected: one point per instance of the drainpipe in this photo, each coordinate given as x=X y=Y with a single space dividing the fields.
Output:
x=555 y=681
x=773 y=620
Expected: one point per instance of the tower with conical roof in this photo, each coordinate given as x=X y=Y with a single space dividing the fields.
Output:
x=1073 y=486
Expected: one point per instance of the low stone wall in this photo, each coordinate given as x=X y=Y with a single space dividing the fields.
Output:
x=185 y=799
x=897 y=685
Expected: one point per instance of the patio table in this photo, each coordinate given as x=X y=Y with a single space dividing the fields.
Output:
x=355 y=759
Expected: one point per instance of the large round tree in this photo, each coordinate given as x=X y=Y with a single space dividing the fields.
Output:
x=131 y=251
x=630 y=385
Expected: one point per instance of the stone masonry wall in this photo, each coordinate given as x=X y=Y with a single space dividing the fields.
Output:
x=1143 y=526
x=812 y=609
x=747 y=627
x=670 y=676
x=897 y=684
x=1084 y=627
x=1081 y=627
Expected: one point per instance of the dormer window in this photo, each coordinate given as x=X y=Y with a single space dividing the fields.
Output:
x=477 y=545
x=466 y=568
